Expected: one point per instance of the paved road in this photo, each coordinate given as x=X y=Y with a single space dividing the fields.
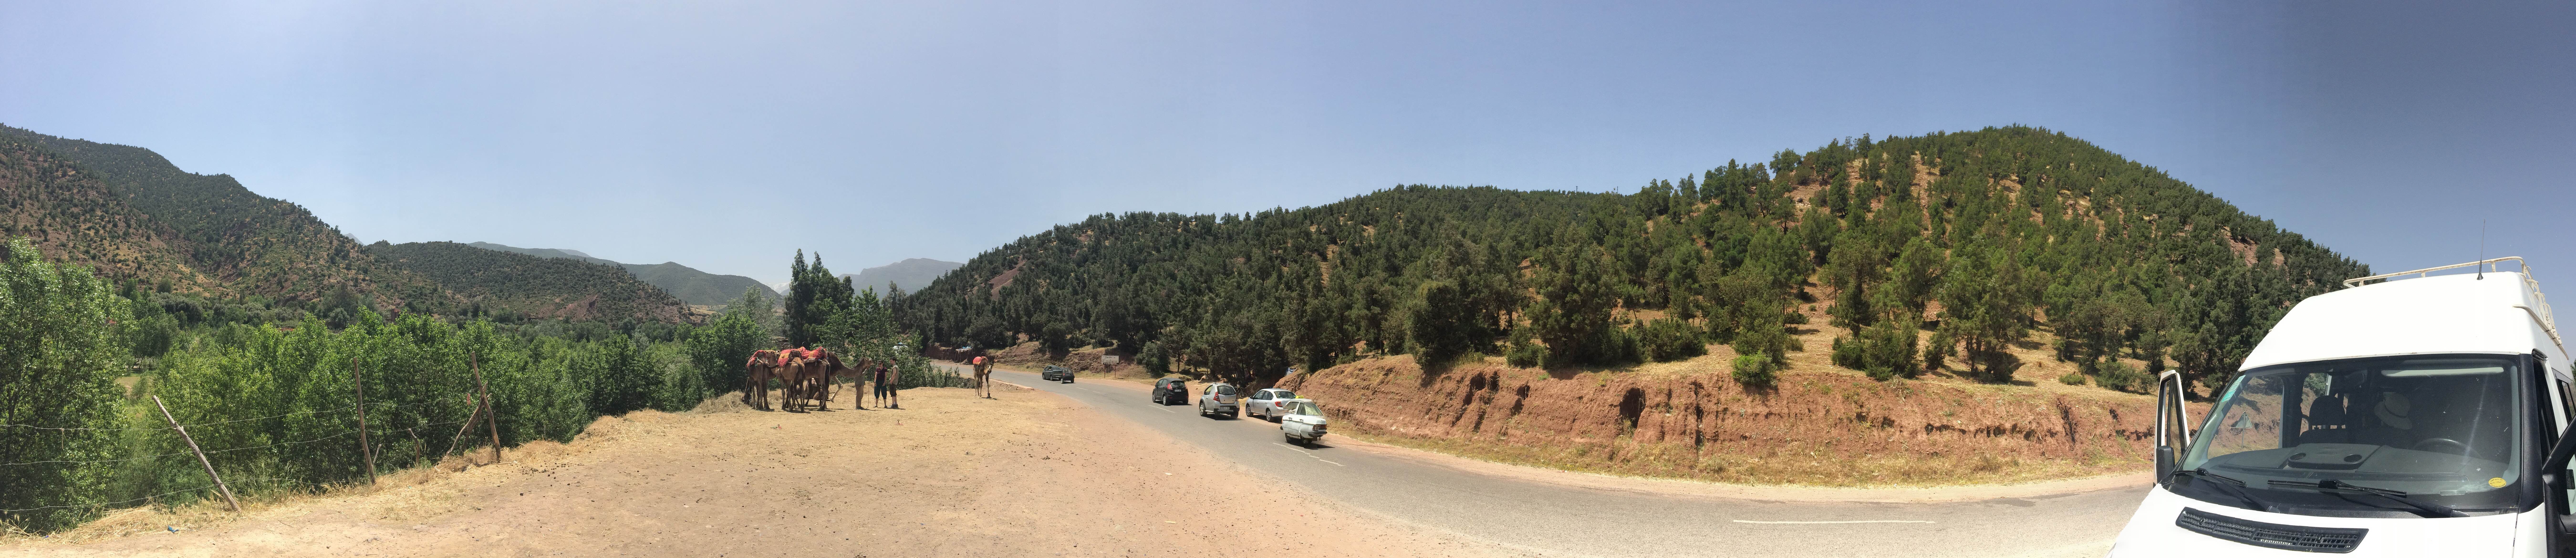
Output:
x=1558 y=520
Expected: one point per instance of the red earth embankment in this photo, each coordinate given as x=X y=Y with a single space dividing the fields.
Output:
x=1692 y=420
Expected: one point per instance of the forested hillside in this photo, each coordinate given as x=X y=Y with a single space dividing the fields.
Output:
x=246 y=243
x=510 y=286
x=1920 y=250
x=72 y=216
x=691 y=285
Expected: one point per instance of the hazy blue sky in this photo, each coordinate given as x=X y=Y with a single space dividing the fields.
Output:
x=724 y=137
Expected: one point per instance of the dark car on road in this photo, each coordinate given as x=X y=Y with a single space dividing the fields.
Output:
x=1056 y=374
x=1171 y=391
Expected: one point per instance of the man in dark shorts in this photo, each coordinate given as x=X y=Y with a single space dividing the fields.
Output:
x=883 y=377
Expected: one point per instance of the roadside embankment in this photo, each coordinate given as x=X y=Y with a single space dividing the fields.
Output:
x=1691 y=420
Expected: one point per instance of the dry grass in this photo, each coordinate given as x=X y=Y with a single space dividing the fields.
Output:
x=397 y=495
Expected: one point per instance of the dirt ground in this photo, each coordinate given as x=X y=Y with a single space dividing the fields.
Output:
x=1025 y=474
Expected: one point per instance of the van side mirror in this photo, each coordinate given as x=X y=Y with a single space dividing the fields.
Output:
x=2172 y=423
x=2554 y=469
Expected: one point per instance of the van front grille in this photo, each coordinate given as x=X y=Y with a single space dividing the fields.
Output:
x=2271 y=535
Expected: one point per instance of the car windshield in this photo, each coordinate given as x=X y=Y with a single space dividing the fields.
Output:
x=1306 y=408
x=1225 y=390
x=1282 y=394
x=2440 y=429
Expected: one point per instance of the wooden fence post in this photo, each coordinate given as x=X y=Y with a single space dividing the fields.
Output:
x=493 y=422
x=363 y=448
x=227 y=491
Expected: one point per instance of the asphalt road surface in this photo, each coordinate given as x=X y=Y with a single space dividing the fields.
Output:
x=1557 y=520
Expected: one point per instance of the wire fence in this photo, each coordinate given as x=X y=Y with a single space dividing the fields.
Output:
x=388 y=430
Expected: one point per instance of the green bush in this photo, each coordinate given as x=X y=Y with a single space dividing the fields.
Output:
x=1754 y=371
x=1884 y=351
x=1669 y=339
x=2120 y=376
x=2072 y=379
x=1939 y=348
x=1524 y=352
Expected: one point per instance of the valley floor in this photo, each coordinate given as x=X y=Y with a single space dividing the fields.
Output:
x=948 y=475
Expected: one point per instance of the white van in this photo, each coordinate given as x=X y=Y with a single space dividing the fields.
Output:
x=2414 y=417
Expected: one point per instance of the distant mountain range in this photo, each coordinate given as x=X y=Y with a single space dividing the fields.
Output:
x=130 y=215
x=691 y=285
x=910 y=275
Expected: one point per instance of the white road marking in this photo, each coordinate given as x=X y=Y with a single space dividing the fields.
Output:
x=1831 y=522
x=1308 y=453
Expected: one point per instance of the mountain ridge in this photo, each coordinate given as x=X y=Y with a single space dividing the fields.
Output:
x=687 y=283
x=910 y=274
x=242 y=242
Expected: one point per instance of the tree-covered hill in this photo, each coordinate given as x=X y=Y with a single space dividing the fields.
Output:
x=72 y=216
x=247 y=243
x=688 y=283
x=511 y=285
x=1920 y=249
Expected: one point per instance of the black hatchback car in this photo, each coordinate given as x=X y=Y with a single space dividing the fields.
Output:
x=1171 y=391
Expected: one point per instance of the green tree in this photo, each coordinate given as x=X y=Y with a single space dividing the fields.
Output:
x=61 y=348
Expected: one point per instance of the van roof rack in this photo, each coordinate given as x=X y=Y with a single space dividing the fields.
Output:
x=2548 y=320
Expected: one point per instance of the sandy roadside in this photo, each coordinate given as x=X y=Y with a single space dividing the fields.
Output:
x=1025 y=474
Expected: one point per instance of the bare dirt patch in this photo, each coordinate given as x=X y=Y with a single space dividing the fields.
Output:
x=1027 y=473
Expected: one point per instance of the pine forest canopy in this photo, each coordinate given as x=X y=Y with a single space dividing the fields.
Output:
x=1979 y=237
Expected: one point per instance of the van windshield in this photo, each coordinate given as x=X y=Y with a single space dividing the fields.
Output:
x=2443 y=430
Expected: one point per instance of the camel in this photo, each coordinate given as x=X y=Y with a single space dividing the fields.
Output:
x=857 y=375
x=823 y=368
x=756 y=374
x=984 y=377
x=799 y=367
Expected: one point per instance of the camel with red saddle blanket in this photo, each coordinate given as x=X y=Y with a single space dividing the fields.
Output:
x=804 y=375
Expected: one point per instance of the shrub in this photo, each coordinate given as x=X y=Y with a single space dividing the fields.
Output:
x=1884 y=351
x=1938 y=349
x=2120 y=376
x=1754 y=371
x=1524 y=353
x=1669 y=339
x=2072 y=379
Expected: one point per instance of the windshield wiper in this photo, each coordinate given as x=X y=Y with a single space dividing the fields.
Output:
x=2232 y=486
x=2429 y=508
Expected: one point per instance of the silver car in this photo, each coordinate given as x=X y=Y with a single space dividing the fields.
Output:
x=1304 y=423
x=1219 y=399
x=1270 y=403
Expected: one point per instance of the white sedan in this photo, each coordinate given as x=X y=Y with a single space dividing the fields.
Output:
x=1304 y=423
x=1270 y=403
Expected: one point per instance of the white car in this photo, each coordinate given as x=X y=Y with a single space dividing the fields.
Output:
x=1304 y=423
x=1271 y=403
x=1219 y=399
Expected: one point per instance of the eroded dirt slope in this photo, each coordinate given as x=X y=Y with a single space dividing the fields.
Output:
x=1823 y=428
